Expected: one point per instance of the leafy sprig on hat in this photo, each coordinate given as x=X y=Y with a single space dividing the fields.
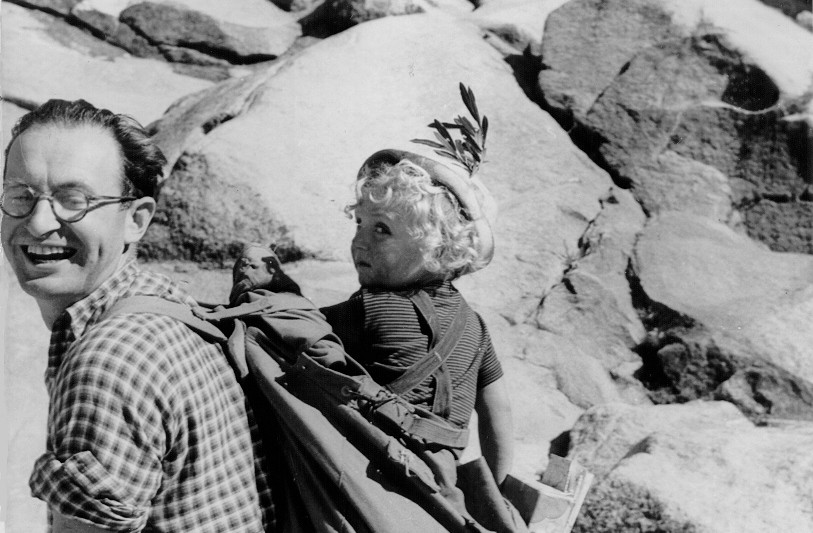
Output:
x=470 y=151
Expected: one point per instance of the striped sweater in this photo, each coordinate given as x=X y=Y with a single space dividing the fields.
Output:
x=384 y=327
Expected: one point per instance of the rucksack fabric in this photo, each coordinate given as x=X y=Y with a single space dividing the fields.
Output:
x=343 y=444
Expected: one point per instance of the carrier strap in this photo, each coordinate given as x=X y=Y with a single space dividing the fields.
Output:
x=426 y=425
x=162 y=306
x=439 y=351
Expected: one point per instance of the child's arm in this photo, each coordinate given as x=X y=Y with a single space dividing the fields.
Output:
x=496 y=428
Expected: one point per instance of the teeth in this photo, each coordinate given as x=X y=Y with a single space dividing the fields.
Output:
x=37 y=252
x=46 y=250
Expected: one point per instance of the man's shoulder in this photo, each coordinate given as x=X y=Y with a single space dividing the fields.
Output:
x=143 y=281
x=136 y=332
x=137 y=350
x=139 y=282
x=142 y=331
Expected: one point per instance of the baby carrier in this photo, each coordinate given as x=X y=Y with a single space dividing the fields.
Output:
x=352 y=455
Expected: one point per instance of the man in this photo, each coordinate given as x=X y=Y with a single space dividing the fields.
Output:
x=148 y=428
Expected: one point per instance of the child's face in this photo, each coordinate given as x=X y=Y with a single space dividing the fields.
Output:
x=386 y=256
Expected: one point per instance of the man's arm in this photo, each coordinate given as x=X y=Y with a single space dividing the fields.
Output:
x=496 y=428
x=108 y=430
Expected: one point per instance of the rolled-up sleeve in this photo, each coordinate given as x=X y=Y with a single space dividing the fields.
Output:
x=82 y=487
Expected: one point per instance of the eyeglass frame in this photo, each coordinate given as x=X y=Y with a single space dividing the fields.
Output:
x=94 y=202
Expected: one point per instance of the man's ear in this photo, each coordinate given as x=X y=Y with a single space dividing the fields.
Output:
x=139 y=215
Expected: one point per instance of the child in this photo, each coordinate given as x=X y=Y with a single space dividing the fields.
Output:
x=420 y=225
x=411 y=236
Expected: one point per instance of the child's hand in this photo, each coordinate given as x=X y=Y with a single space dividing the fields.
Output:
x=258 y=267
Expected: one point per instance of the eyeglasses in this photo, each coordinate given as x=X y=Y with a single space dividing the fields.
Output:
x=68 y=205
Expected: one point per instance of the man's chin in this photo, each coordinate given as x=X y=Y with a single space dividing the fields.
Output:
x=51 y=290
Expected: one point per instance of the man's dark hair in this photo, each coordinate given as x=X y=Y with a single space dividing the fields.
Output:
x=143 y=161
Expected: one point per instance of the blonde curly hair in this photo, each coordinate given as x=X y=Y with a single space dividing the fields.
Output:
x=448 y=239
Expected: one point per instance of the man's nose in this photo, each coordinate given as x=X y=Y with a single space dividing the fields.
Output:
x=42 y=219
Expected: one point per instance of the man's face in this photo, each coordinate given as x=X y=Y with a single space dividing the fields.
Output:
x=56 y=262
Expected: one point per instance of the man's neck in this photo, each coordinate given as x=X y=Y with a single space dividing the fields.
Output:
x=51 y=311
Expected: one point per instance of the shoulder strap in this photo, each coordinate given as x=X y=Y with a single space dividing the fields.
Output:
x=423 y=303
x=162 y=306
x=439 y=351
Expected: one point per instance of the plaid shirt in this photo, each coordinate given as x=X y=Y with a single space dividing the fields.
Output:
x=148 y=428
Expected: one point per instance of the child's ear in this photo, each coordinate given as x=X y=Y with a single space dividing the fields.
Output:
x=139 y=216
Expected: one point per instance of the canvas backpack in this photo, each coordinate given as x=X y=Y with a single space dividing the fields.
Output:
x=346 y=443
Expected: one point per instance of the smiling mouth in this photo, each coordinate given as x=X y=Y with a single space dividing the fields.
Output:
x=44 y=254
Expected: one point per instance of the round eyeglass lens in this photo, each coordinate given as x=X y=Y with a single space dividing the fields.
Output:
x=69 y=203
x=18 y=201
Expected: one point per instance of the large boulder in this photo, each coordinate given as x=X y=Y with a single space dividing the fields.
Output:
x=53 y=59
x=594 y=295
x=728 y=318
x=186 y=31
x=334 y=16
x=101 y=18
x=576 y=33
x=60 y=7
x=692 y=108
x=241 y=32
x=698 y=467
x=791 y=8
x=520 y=23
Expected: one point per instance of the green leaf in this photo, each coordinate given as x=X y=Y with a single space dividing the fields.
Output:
x=467 y=124
x=444 y=142
x=426 y=142
x=470 y=102
x=442 y=130
x=464 y=94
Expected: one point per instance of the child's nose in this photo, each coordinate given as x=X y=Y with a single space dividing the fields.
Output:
x=359 y=241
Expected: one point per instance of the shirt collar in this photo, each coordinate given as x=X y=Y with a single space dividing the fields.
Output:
x=87 y=310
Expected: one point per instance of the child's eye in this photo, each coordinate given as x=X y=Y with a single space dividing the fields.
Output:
x=383 y=229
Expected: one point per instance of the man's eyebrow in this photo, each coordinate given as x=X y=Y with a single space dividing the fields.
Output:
x=72 y=185
x=12 y=180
